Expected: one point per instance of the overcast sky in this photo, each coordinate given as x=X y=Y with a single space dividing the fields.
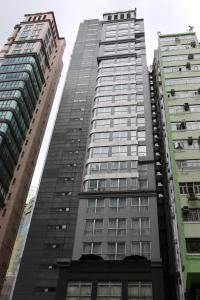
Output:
x=166 y=16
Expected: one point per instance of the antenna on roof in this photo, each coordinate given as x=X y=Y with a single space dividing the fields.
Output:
x=191 y=28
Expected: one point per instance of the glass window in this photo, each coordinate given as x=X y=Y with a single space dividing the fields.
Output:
x=119 y=151
x=121 y=87
x=79 y=290
x=117 y=204
x=103 y=99
x=142 y=249
x=193 y=245
x=140 y=204
x=103 y=110
x=102 y=123
x=100 y=151
x=95 y=205
x=140 y=290
x=141 y=150
x=140 y=121
x=121 y=121
x=133 y=150
x=188 y=164
x=117 y=226
x=109 y=291
x=120 y=135
x=102 y=136
x=93 y=226
x=116 y=250
x=92 y=248
x=140 y=226
x=121 y=110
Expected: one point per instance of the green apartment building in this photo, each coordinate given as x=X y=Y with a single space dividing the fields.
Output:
x=176 y=74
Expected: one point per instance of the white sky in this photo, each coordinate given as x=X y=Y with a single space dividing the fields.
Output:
x=166 y=16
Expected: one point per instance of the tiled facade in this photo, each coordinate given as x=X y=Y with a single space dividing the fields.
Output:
x=177 y=77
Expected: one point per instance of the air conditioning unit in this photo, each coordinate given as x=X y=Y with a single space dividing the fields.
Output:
x=190 y=140
x=192 y=196
x=172 y=92
x=181 y=125
x=188 y=65
x=193 y=44
x=190 y=56
x=185 y=210
x=186 y=107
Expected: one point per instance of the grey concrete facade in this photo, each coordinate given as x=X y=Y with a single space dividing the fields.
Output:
x=133 y=57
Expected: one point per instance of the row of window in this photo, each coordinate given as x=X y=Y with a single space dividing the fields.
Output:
x=114 y=33
x=116 y=135
x=13 y=104
x=116 y=166
x=137 y=204
x=7 y=157
x=118 y=61
x=111 y=123
x=29 y=34
x=180 y=57
x=183 y=108
x=189 y=164
x=28 y=74
x=117 y=250
x=2 y=189
x=5 y=177
x=119 y=99
x=118 y=184
x=182 y=68
x=35 y=26
x=123 y=48
x=108 y=290
x=177 y=47
x=4 y=128
x=190 y=144
x=193 y=245
x=185 y=94
x=18 y=130
x=189 y=187
x=120 y=26
x=119 y=69
x=177 y=38
x=188 y=80
x=118 y=226
x=185 y=125
x=22 y=48
x=128 y=150
x=23 y=100
x=120 y=88
x=117 y=78
x=192 y=215
x=119 y=110
x=120 y=36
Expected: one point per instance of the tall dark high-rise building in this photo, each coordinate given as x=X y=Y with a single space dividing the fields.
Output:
x=98 y=230
x=30 y=68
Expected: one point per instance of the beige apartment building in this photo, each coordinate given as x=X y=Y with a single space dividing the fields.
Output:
x=30 y=68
